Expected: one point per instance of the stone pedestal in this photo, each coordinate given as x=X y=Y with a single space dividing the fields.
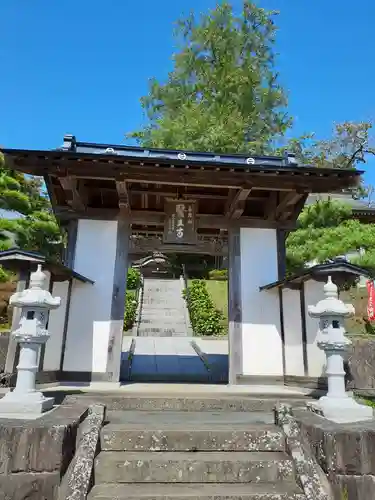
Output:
x=338 y=405
x=35 y=302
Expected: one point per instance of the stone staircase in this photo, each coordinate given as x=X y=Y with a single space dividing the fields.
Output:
x=177 y=448
x=163 y=312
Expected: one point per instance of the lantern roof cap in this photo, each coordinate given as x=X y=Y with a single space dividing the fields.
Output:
x=331 y=305
x=36 y=295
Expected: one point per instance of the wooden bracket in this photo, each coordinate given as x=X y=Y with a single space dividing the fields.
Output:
x=123 y=197
x=237 y=205
x=73 y=192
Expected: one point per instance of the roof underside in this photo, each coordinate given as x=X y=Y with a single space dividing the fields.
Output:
x=100 y=181
x=16 y=260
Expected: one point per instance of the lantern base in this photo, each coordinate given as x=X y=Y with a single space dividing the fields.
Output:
x=24 y=405
x=341 y=410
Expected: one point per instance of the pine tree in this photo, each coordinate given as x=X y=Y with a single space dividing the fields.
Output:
x=34 y=226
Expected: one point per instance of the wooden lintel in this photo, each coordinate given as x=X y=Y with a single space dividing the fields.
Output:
x=72 y=193
x=123 y=197
x=172 y=193
x=198 y=178
x=145 y=217
x=238 y=203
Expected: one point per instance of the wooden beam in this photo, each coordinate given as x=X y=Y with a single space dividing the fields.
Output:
x=123 y=197
x=145 y=217
x=223 y=180
x=237 y=206
x=72 y=193
x=171 y=194
x=195 y=175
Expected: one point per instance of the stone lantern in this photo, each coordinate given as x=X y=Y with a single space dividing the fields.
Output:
x=338 y=405
x=35 y=303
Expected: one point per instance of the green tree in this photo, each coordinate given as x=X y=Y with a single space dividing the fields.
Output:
x=326 y=229
x=223 y=93
x=35 y=227
x=349 y=147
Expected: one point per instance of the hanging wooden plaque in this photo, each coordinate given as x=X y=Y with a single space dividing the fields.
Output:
x=180 y=223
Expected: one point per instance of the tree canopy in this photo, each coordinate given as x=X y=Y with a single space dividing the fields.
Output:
x=223 y=93
x=27 y=220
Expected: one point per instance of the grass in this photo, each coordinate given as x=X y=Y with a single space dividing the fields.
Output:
x=356 y=296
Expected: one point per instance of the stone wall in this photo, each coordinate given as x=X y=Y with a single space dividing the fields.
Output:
x=361 y=365
x=35 y=454
x=345 y=452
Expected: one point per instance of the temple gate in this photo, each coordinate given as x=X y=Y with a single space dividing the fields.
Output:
x=112 y=199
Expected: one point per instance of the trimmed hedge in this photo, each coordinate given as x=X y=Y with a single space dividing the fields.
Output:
x=131 y=299
x=131 y=303
x=205 y=319
x=218 y=274
x=134 y=279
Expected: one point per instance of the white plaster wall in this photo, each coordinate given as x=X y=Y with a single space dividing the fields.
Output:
x=315 y=356
x=56 y=325
x=293 y=332
x=261 y=333
x=46 y=287
x=90 y=308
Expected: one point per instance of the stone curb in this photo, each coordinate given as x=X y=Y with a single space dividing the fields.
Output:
x=311 y=477
x=76 y=482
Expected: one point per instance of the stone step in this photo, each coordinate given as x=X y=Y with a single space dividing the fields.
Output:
x=167 y=331
x=172 y=301
x=187 y=467
x=191 y=431
x=164 y=313
x=159 y=322
x=251 y=491
x=160 y=333
x=192 y=403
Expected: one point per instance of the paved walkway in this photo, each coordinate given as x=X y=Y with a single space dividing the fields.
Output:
x=186 y=389
x=166 y=359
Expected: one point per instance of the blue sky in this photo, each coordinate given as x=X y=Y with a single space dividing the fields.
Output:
x=80 y=66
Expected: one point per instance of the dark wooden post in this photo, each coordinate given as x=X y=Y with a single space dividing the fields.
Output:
x=234 y=305
x=281 y=270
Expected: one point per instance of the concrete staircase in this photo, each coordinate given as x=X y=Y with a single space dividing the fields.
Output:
x=163 y=312
x=176 y=448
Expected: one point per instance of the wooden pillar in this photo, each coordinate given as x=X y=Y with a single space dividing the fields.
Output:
x=72 y=230
x=118 y=301
x=10 y=363
x=234 y=305
x=281 y=269
x=65 y=330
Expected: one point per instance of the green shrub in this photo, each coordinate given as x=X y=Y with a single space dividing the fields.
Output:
x=134 y=279
x=131 y=303
x=218 y=274
x=205 y=319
